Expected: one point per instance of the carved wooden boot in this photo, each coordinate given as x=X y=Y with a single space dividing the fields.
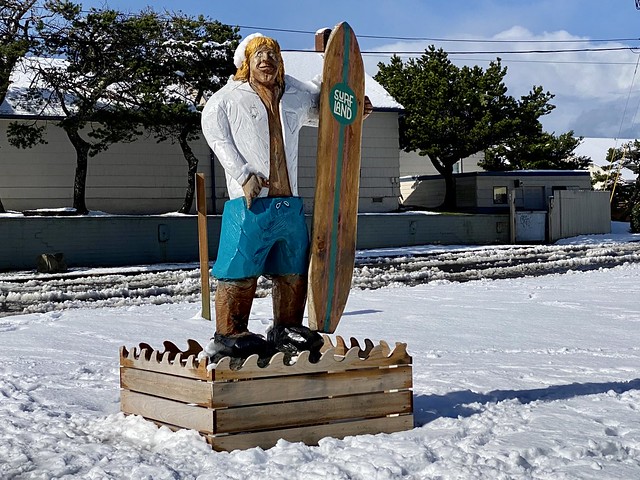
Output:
x=287 y=334
x=233 y=302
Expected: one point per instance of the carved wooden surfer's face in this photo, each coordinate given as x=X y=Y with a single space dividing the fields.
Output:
x=263 y=66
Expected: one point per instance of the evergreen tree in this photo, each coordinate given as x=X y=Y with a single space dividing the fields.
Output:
x=453 y=112
x=538 y=151
x=625 y=195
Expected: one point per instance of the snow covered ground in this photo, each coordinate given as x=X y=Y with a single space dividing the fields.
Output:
x=530 y=377
x=31 y=292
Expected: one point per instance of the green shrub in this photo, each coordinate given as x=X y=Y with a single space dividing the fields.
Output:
x=635 y=218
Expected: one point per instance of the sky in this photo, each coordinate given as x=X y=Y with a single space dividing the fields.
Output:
x=512 y=379
x=597 y=93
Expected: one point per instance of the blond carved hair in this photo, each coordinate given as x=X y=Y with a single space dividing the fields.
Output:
x=243 y=73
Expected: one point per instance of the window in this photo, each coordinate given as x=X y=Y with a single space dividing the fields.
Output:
x=500 y=195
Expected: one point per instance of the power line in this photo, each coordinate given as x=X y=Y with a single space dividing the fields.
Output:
x=633 y=79
x=428 y=39
x=463 y=52
x=545 y=62
x=487 y=52
x=435 y=39
x=516 y=60
x=560 y=62
x=516 y=52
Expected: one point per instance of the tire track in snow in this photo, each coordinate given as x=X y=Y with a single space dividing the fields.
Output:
x=29 y=292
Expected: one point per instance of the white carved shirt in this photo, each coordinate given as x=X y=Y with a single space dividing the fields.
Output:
x=236 y=126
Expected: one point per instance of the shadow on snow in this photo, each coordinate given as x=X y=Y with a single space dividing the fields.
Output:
x=465 y=403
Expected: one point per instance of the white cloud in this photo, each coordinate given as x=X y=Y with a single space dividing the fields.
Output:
x=593 y=91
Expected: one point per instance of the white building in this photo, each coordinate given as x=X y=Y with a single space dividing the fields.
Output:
x=146 y=177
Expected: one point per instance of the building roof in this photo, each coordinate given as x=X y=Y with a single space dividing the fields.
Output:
x=22 y=78
x=304 y=66
x=307 y=66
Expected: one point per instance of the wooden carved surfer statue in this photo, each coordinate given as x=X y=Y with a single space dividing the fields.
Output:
x=252 y=126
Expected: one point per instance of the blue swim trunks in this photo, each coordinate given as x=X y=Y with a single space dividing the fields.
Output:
x=269 y=239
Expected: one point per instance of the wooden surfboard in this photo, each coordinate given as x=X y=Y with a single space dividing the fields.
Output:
x=335 y=213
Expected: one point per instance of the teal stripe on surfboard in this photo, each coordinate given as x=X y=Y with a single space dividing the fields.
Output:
x=333 y=246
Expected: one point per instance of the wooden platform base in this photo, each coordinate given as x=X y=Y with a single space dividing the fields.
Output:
x=350 y=391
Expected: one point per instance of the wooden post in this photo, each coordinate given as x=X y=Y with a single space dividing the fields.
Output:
x=512 y=216
x=201 y=201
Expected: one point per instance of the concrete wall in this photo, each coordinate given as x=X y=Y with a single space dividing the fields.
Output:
x=145 y=177
x=103 y=241
x=135 y=240
x=397 y=230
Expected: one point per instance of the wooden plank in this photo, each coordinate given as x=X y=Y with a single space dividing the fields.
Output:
x=172 y=387
x=379 y=356
x=308 y=412
x=311 y=435
x=193 y=348
x=335 y=358
x=168 y=411
x=203 y=242
x=335 y=213
x=181 y=364
x=302 y=387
